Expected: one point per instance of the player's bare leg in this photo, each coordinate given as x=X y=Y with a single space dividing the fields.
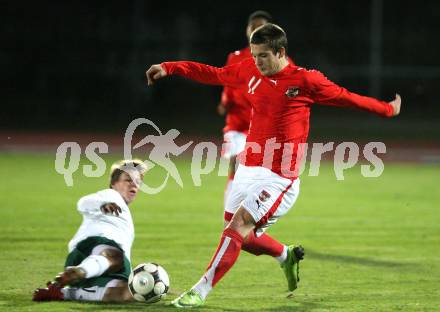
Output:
x=108 y=259
x=104 y=259
x=118 y=293
x=264 y=244
x=242 y=222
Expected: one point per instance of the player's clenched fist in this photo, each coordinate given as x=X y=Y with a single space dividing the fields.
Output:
x=396 y=105
x=111 y=208
x=155 y=72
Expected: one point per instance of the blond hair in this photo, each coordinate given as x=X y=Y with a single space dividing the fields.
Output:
x=122 y=166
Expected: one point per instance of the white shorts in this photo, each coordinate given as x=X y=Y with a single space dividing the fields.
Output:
x=233 y=143
x=264 y=194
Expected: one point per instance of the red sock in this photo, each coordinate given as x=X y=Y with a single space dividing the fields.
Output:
x=226 y=254
x=263 y=245
x=224 y=258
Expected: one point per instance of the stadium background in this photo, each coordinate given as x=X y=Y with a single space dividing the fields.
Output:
x=80 y=66
x=74 y=71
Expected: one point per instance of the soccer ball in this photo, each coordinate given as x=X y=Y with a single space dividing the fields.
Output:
x=148 y=282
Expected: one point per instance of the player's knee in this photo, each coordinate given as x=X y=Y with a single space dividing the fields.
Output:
x=236 y=223
x=115 y=257
x=242 y=222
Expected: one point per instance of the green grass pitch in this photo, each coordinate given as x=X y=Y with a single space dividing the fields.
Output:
x=372 y=244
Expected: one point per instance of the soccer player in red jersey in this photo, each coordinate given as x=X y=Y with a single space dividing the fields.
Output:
x=237 y=107
x=266 y=183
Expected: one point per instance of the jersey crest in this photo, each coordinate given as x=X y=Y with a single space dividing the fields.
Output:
x=292 y=91
x=264 y=195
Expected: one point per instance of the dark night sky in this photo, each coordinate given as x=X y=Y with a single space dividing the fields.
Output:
x=69 y=65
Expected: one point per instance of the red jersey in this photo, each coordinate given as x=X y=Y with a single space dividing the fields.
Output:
x=281 y=107
x=234 y=98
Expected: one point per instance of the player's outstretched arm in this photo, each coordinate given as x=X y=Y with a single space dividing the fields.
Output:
x=154 y=73
x=199 y=72
x=326 y=92
x=396 y=105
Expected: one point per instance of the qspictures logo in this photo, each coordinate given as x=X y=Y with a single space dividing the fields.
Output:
x=163 y=151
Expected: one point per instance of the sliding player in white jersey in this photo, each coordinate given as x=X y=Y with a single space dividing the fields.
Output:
x=98 y=264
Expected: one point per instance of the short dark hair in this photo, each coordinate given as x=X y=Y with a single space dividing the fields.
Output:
x=260 y=14
x=270 y=34
x=122 y=166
